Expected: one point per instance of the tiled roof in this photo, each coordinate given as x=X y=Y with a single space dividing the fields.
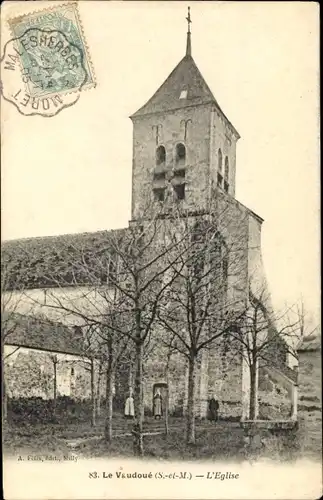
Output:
x=40 y=262
x=37 y=333
x=312 y=343
x=185 y=77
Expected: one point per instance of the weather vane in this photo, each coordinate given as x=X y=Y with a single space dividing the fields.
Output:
x=188 y=19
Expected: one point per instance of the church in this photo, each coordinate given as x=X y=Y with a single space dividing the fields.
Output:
x=184 y=156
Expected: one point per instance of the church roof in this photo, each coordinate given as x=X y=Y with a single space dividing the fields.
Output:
x=311 y=343
x=40 y=262
x=184 y=87
x=186 y=77
x=37 y=333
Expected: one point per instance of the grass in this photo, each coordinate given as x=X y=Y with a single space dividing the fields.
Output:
x=221 y=441
x=224 y=440
x=212 y=442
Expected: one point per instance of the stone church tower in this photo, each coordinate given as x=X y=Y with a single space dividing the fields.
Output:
x=184 y=153
x=183 y=144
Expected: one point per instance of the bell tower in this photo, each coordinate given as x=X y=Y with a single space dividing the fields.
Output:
x=184 y=147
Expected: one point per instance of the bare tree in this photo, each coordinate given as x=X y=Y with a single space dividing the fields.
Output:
x=10 y=318
x=199 y=310
x=308 y=327
x=89 y=364
x=264 y=338
x=104 y=344
x=137 y=275
x=125 y=277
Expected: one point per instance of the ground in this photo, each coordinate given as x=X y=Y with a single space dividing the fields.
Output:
x=221 y=441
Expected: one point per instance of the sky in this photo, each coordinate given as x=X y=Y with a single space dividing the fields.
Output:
x=72 y=172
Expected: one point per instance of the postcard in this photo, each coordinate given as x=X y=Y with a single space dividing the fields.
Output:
x=160 y=301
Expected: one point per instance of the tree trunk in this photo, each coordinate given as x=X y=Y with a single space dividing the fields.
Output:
x=138 y=401
x=4 y=391
x=98 y=392
x=55 y=389
x=166 y=411
x=5 y=401
x=253 y=391
x=190 y=422
x=109 y=392
x=109 y=405
x=93 y=408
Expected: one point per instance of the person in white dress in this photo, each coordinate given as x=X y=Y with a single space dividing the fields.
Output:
x=129 y=409
x=158 y=408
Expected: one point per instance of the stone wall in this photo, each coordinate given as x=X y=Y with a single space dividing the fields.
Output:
x=222 y=137
x=225 y=380
x=274 y=396
x=310 y=402
x=30 y=373
x=173 y=373
x=196 y=142
x=203 y=130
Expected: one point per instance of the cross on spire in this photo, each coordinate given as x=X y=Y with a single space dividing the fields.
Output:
x=188 y=19
x=188 y=41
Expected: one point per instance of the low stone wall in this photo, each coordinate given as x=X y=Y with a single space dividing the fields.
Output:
x=274 y=399
x=278 y=439
x=310 y=404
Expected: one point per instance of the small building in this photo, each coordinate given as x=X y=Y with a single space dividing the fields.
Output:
x=44 y=359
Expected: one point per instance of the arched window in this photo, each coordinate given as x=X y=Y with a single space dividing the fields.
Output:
x=226 y=174
x=112 y=270
x=180 y=157
x=72 y=372
x=159 y=194
x=220 y=265
x=159 y=188
x=198 y=239
x=160 y=155
x=220 y=160
x=199 y=232
x=220 y=174
x=179 y=171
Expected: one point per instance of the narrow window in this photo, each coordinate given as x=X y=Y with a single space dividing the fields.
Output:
x=198 y=232
x=198 y=239
x=220 y=265
x=160 y=155
x=72 y=372
x=78 y=331
x=226 y=174
x=159 y=194
x=179 y=171
x=141 y=235
x=180 y=191
x=180 y=155
x=112 y=271
x=220 y=160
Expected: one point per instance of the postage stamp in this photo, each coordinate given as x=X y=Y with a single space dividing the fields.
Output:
x=50 y=57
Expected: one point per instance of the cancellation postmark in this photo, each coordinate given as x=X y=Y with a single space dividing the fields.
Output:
x=46 y=64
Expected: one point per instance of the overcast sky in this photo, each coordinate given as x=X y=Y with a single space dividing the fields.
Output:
x=72 y=173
